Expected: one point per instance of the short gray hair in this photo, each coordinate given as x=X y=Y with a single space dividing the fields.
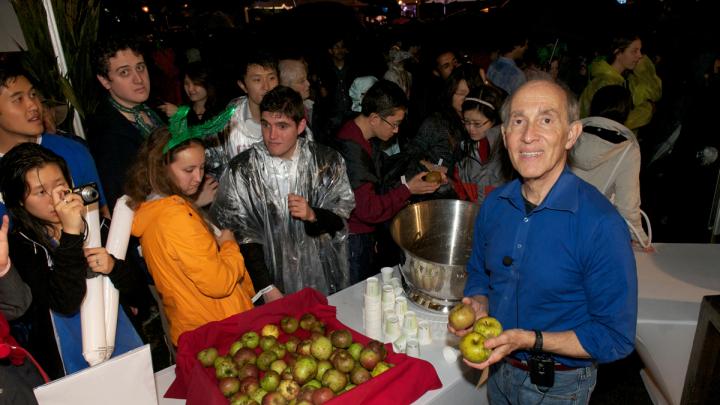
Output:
x=573 y=106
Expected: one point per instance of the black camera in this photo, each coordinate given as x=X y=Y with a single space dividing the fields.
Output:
x=88 y=192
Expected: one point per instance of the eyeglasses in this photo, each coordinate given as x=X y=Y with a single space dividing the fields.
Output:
x=475 y=124
x=394 y=126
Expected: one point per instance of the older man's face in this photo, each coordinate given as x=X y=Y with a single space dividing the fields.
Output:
x=538 y=134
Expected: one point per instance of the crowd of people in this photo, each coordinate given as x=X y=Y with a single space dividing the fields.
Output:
x=294 y=183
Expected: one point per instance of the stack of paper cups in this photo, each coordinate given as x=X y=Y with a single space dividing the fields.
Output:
x=424 y=336
x=412 y=348
x=397 y=285
x=410 y=325
x=388 y=298
x=392 y=328
x=401 y=307
x=373 y=309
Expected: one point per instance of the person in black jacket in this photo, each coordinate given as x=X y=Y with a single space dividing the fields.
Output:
x=46 y=247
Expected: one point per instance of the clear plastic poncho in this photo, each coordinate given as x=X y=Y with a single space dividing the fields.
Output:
x=252 y=202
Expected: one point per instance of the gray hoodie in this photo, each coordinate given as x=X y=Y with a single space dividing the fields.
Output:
x=613 y=167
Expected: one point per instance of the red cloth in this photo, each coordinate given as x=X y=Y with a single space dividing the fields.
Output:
x=9 y=348
x=407 y=381
x=484 y=150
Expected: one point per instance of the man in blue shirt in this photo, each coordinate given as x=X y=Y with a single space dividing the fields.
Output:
x=551 y=260
x=21 y=121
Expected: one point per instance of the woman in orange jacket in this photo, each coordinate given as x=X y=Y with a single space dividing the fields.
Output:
x=198 y=272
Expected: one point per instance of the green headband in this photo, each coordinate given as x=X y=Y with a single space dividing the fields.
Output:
x=180 y=132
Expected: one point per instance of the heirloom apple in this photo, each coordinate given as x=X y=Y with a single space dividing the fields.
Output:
x=289 y=324
x=488 y=326
x=289 y=389
x=355 y=350
x=267 y=342
x=250 y=339
x=321 y=348
x=305 y=369
x=335 y=380
x=278 y=366
x=307 y=321
x=270 y=330
x=341 y=338
x=265 y=359
x=207 y=357
x=270 y=381
x=461 y=317
x=229 y=386
x=322 y=367
x=322 y=395
x=245 y=356
x=234 y=347
x=472 y=347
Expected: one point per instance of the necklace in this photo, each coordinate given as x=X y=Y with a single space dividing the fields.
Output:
x=136 y=112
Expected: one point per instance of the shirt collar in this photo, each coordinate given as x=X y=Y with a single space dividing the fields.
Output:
x=563 y=195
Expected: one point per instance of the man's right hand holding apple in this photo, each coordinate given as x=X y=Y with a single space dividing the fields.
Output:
x=479 y=304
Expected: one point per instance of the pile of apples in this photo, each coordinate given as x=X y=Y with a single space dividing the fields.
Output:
x=259 y=369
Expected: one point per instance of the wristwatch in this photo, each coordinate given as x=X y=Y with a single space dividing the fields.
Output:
x=537 y=348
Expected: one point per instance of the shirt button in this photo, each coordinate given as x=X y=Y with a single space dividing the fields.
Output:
x=519 y=245
x=525 y=219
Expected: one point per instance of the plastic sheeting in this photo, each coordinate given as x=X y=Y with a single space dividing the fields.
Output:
x=252 y=202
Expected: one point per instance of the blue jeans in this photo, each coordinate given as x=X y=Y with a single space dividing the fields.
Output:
x=511 y=385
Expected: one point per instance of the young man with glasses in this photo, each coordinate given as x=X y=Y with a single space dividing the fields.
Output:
x=377 y=199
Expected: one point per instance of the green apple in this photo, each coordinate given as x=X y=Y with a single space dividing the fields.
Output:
x=267 y=342
x=321 y=348
x=270 y=330
x=355 y=350
x=461 y=317
x=207 y=357
x=488 y=326
x=270 y=381
x=250 y=339
x=472 y=347
x=289 y=324
x=234 y=347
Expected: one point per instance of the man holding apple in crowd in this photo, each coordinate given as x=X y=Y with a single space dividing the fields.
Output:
x=552 y=261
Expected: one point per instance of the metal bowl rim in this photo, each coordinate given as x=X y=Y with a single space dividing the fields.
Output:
x=392 y=226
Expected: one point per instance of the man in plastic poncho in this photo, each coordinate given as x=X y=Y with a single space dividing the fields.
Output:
x=287 y=199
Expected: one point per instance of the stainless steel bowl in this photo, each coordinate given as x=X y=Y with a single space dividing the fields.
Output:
x=436 y=237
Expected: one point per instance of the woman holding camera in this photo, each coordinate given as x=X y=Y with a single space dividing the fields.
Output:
x=199 y=273
x=46 y=246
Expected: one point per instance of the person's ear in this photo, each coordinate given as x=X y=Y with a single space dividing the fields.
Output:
x=242 y=86
x=574 y=133
x=301 y=126
x=502 y=132
x=104 y=81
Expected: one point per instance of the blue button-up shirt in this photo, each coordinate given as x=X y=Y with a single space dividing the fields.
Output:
x=571 y=268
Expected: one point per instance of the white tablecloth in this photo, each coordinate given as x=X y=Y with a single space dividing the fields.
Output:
x=671 y=284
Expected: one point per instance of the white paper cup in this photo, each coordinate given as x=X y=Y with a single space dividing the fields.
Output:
x=410 y=324
x=399 y=344
x=401 y=306
x=372 y=287
x=424 y=335
x=412 y=348
x=388 y=295
x=387 y=273
x=397 y=285
x=392 y=327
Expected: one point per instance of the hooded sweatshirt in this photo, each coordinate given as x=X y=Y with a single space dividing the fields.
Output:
x=643 y=83
x=594 y=159
x=198 y=281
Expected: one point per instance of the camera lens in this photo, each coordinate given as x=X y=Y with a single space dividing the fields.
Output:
x=89 y=194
